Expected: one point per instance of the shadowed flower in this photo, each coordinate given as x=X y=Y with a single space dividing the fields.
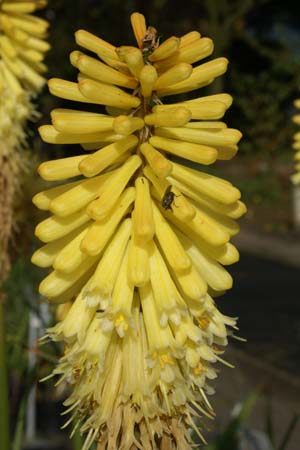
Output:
x=295 y=178
x=138 y=239
x=22 y=49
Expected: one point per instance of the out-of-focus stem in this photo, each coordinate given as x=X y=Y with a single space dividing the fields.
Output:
x=4 y=416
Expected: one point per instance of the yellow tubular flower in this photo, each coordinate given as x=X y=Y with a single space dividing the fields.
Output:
x=295 y=178
x=138 y=239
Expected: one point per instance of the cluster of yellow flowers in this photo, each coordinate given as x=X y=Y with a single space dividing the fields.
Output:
x=295 y=178
x=22 y=49
x=139 y=238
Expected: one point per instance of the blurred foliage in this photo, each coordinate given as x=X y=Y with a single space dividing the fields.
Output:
x=232 y=436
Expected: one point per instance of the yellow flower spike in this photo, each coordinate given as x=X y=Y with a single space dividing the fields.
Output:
x=138 y=24
x=198 y=153
x=174 y=117
x=100 y=287
x=143 y=224
x=148 y=76
x=166 y=49
x=101 y=231
x=112 y=188
x=170 y=244
x=175 y=74
x=105 y=94
x=103 y=158
x=137 y=239
x=158 y=163
x=127 y=125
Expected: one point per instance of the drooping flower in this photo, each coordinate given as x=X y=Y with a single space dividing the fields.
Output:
x=22 y=49
x=137 y=239
x=295 y=178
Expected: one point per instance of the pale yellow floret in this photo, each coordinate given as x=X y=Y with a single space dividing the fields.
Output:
x=138 y=260
x=80 y=122
x=127 y=125
x=133 y=57
x=71 y=257
x=103 y=158
x=158 y=337
x=191 y=283
x=101 y=231
x=212 y=272
x=101 y=285
x=202 y=110
x=198 y=153
x=222 y=137
x=233 y=210
x=43 y=199
x=175 y=74
x=56 y=227
x=112 y=188
x=165 y=49
x=105 y=94
x=45 y=256
x=160 y=184
x=174 y=117
x=190 y=37
x=296 y=119
x=143 y=217
x=52 y=136
x=138 y=24
x=181 y=206
x=168 y=301
x=190 y=53
x=102 y=72
x=95 y=44
x=209 y=185
x=148 y=76
x=30 y=24
x=158 y=163
x=60 y=169
x=122 y=298
x=58 y=282
x=296 y=146
x=67 y=90
x=170 y=244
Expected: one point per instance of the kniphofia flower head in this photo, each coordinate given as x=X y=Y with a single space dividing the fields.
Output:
x=138 y=239
x=295 y=178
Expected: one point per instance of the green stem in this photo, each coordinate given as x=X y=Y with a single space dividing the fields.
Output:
x=4 y=416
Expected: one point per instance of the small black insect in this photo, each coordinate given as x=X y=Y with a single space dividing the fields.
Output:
x=168 y=198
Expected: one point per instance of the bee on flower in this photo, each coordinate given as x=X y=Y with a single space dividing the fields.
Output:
x=295 y=178
x=137 y=240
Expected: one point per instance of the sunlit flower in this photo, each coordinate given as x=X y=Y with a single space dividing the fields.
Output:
x=138 y=238
x=295 y=178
